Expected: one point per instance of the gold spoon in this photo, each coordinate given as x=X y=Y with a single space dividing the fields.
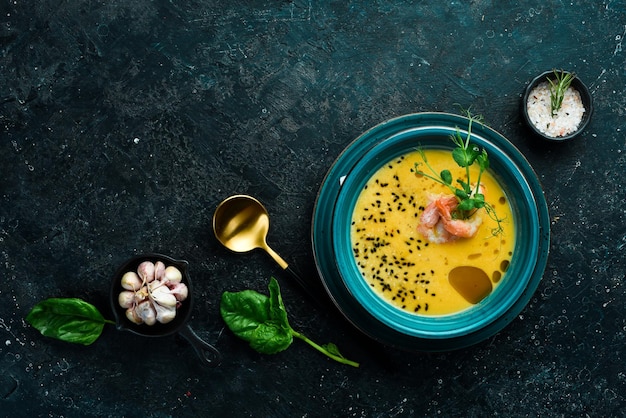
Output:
x=241 y=224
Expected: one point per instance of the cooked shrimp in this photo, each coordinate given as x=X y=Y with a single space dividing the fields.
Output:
x=431 y=227
x=463 y=228
x=438 y=226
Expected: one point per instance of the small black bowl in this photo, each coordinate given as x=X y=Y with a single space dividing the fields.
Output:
x=585 y=96
x=208 y=354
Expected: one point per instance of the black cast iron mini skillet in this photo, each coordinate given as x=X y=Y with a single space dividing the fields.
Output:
x=207 y=353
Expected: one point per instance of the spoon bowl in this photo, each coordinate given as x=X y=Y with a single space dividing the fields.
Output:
x=241 y=224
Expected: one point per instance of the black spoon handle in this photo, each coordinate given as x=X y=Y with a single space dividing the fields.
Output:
x=313 y=290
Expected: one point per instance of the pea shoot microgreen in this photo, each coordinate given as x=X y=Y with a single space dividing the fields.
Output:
x=558 y=86
x=465 y=154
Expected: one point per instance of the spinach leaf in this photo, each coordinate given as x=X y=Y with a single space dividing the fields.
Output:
x=256 y=318
x=262 y=322
x=68 y=319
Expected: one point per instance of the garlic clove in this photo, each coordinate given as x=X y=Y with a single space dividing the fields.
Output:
x=126 y=299
x=159 y=270
x=146 y=312
x=131 y=281
x=133 y=317
x=146 y=271
x=180 y=291
x=163 y=296
x=164 y=314
x=173 y=275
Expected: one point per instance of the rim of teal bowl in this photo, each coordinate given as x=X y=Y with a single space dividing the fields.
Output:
x=440 y=326
x=332 y=247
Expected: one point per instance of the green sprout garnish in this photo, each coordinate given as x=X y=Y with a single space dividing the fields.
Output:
x=558 y=87
x=465 y=154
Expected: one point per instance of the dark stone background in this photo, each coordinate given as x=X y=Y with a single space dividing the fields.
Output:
x=124 y=124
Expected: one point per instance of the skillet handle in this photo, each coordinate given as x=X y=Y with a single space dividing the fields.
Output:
x=207 y=353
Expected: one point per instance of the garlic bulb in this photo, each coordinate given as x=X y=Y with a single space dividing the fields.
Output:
x=165 y=314
x=180 y=291
x=132 y=316
x=153 y=293
x=131 y=281
x=173 y=275
x=126 y=299
x=163 y=296
x=146 y=271
x=146 y=312
x=159 y=270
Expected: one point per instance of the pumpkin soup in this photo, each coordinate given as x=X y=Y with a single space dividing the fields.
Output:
x=413 y=271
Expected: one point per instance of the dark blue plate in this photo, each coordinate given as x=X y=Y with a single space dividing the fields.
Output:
x=339 y=273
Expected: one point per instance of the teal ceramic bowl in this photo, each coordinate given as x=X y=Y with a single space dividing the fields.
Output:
x=333 y=249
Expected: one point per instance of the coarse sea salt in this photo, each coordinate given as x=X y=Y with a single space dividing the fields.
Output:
x=564 y=121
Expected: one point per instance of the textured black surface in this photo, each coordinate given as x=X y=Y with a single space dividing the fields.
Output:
x=124 y=124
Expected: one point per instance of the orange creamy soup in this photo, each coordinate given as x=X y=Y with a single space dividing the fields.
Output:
x=401 y=265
